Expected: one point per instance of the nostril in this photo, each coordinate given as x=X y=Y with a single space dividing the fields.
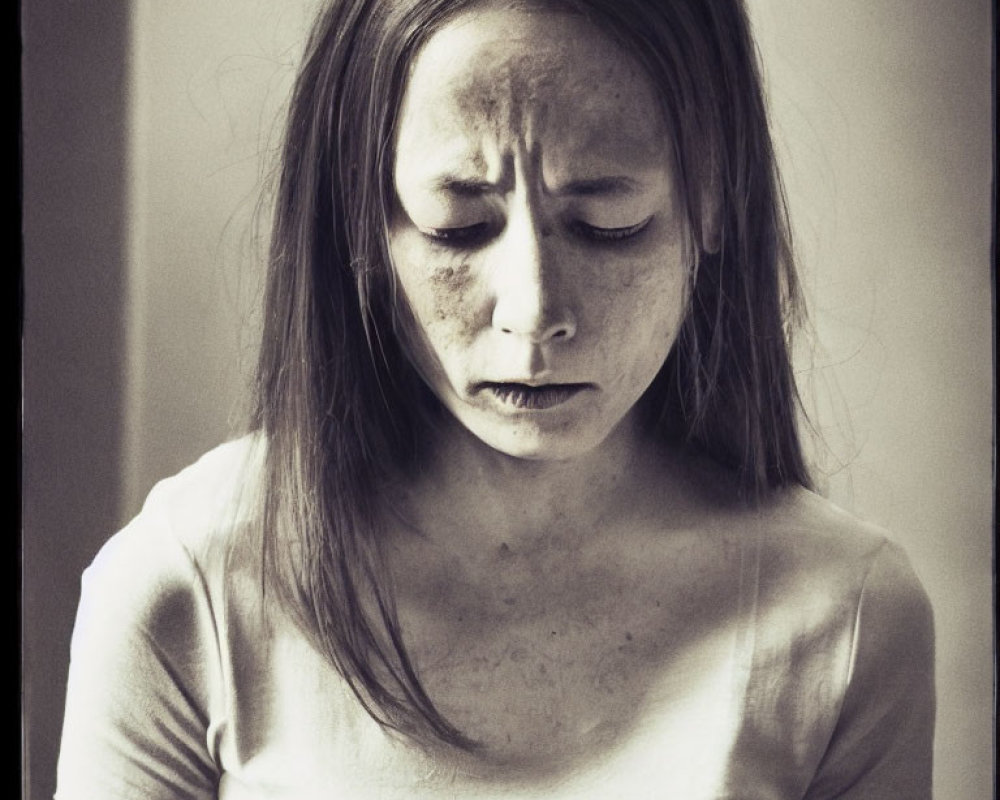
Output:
x=533 y=326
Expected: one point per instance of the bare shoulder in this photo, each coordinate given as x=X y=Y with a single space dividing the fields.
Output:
x=805 y=531
x=811 y=527
x=800 y=538
x=822 y=562
x=812 y=560
x=793 y=526
x=838 y=597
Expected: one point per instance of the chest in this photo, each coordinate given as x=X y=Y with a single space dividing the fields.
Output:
x=570 y=668
x=576 y=732
x=628 y=684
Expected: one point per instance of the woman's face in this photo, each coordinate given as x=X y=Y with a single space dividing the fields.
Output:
x=537 y=235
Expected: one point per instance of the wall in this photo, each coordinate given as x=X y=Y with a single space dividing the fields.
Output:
x=209 y=82
x=146 y=143
x=149 y=133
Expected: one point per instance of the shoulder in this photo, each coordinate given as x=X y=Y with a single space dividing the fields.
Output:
x=147 y=656
x=195 y=510
x=808 y=543
x=827 y=575
x=154 y=577
x=817 y=555
x=838 y=598
x=841 y=653
x=862 y=612
x=801 y=541
x=811 y=544
x=210 y=496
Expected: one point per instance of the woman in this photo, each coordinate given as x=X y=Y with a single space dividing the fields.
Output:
x=523 y=512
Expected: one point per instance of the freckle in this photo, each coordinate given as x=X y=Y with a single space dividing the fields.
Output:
x=510 y=601
x=628 y=636
x=504 y=550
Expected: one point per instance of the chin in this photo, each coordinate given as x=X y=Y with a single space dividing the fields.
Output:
x=562 y=441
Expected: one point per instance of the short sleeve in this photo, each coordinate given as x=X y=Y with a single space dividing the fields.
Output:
x=882 y=745
x=143 y=660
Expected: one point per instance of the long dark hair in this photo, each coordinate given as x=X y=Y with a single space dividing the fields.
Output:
x=341 y=408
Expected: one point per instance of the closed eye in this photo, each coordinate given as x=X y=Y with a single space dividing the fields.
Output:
x=609 y=234
x=466 y=236
x=470 y=236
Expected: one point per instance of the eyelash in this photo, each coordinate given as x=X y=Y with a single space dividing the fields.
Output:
x=473 y=235
x=610 y=234
x=469 y=236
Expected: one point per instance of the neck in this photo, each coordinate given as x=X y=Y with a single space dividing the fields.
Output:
x=482 y=499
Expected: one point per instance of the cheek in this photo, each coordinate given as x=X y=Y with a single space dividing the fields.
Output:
x=439 y=291
x=447 y=293
x=663 y=305
x=642 y=308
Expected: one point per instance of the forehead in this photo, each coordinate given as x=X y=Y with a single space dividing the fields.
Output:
x=498 y=82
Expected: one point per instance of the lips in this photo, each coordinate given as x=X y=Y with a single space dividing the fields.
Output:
x=523 y=396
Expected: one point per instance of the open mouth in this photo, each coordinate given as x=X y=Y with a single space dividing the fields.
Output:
x=523 y=396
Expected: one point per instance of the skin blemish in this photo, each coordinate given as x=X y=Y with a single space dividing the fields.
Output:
x=448 y=286
x=453 y=278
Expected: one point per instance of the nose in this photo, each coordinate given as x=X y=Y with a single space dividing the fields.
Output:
x=531 y=297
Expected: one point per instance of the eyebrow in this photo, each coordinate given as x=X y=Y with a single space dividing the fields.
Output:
x=614 y=186
x=464 y=187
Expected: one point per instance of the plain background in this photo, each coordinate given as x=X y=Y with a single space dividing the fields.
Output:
x=149 y=132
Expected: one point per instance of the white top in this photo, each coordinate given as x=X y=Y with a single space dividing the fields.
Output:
x=818 y=682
